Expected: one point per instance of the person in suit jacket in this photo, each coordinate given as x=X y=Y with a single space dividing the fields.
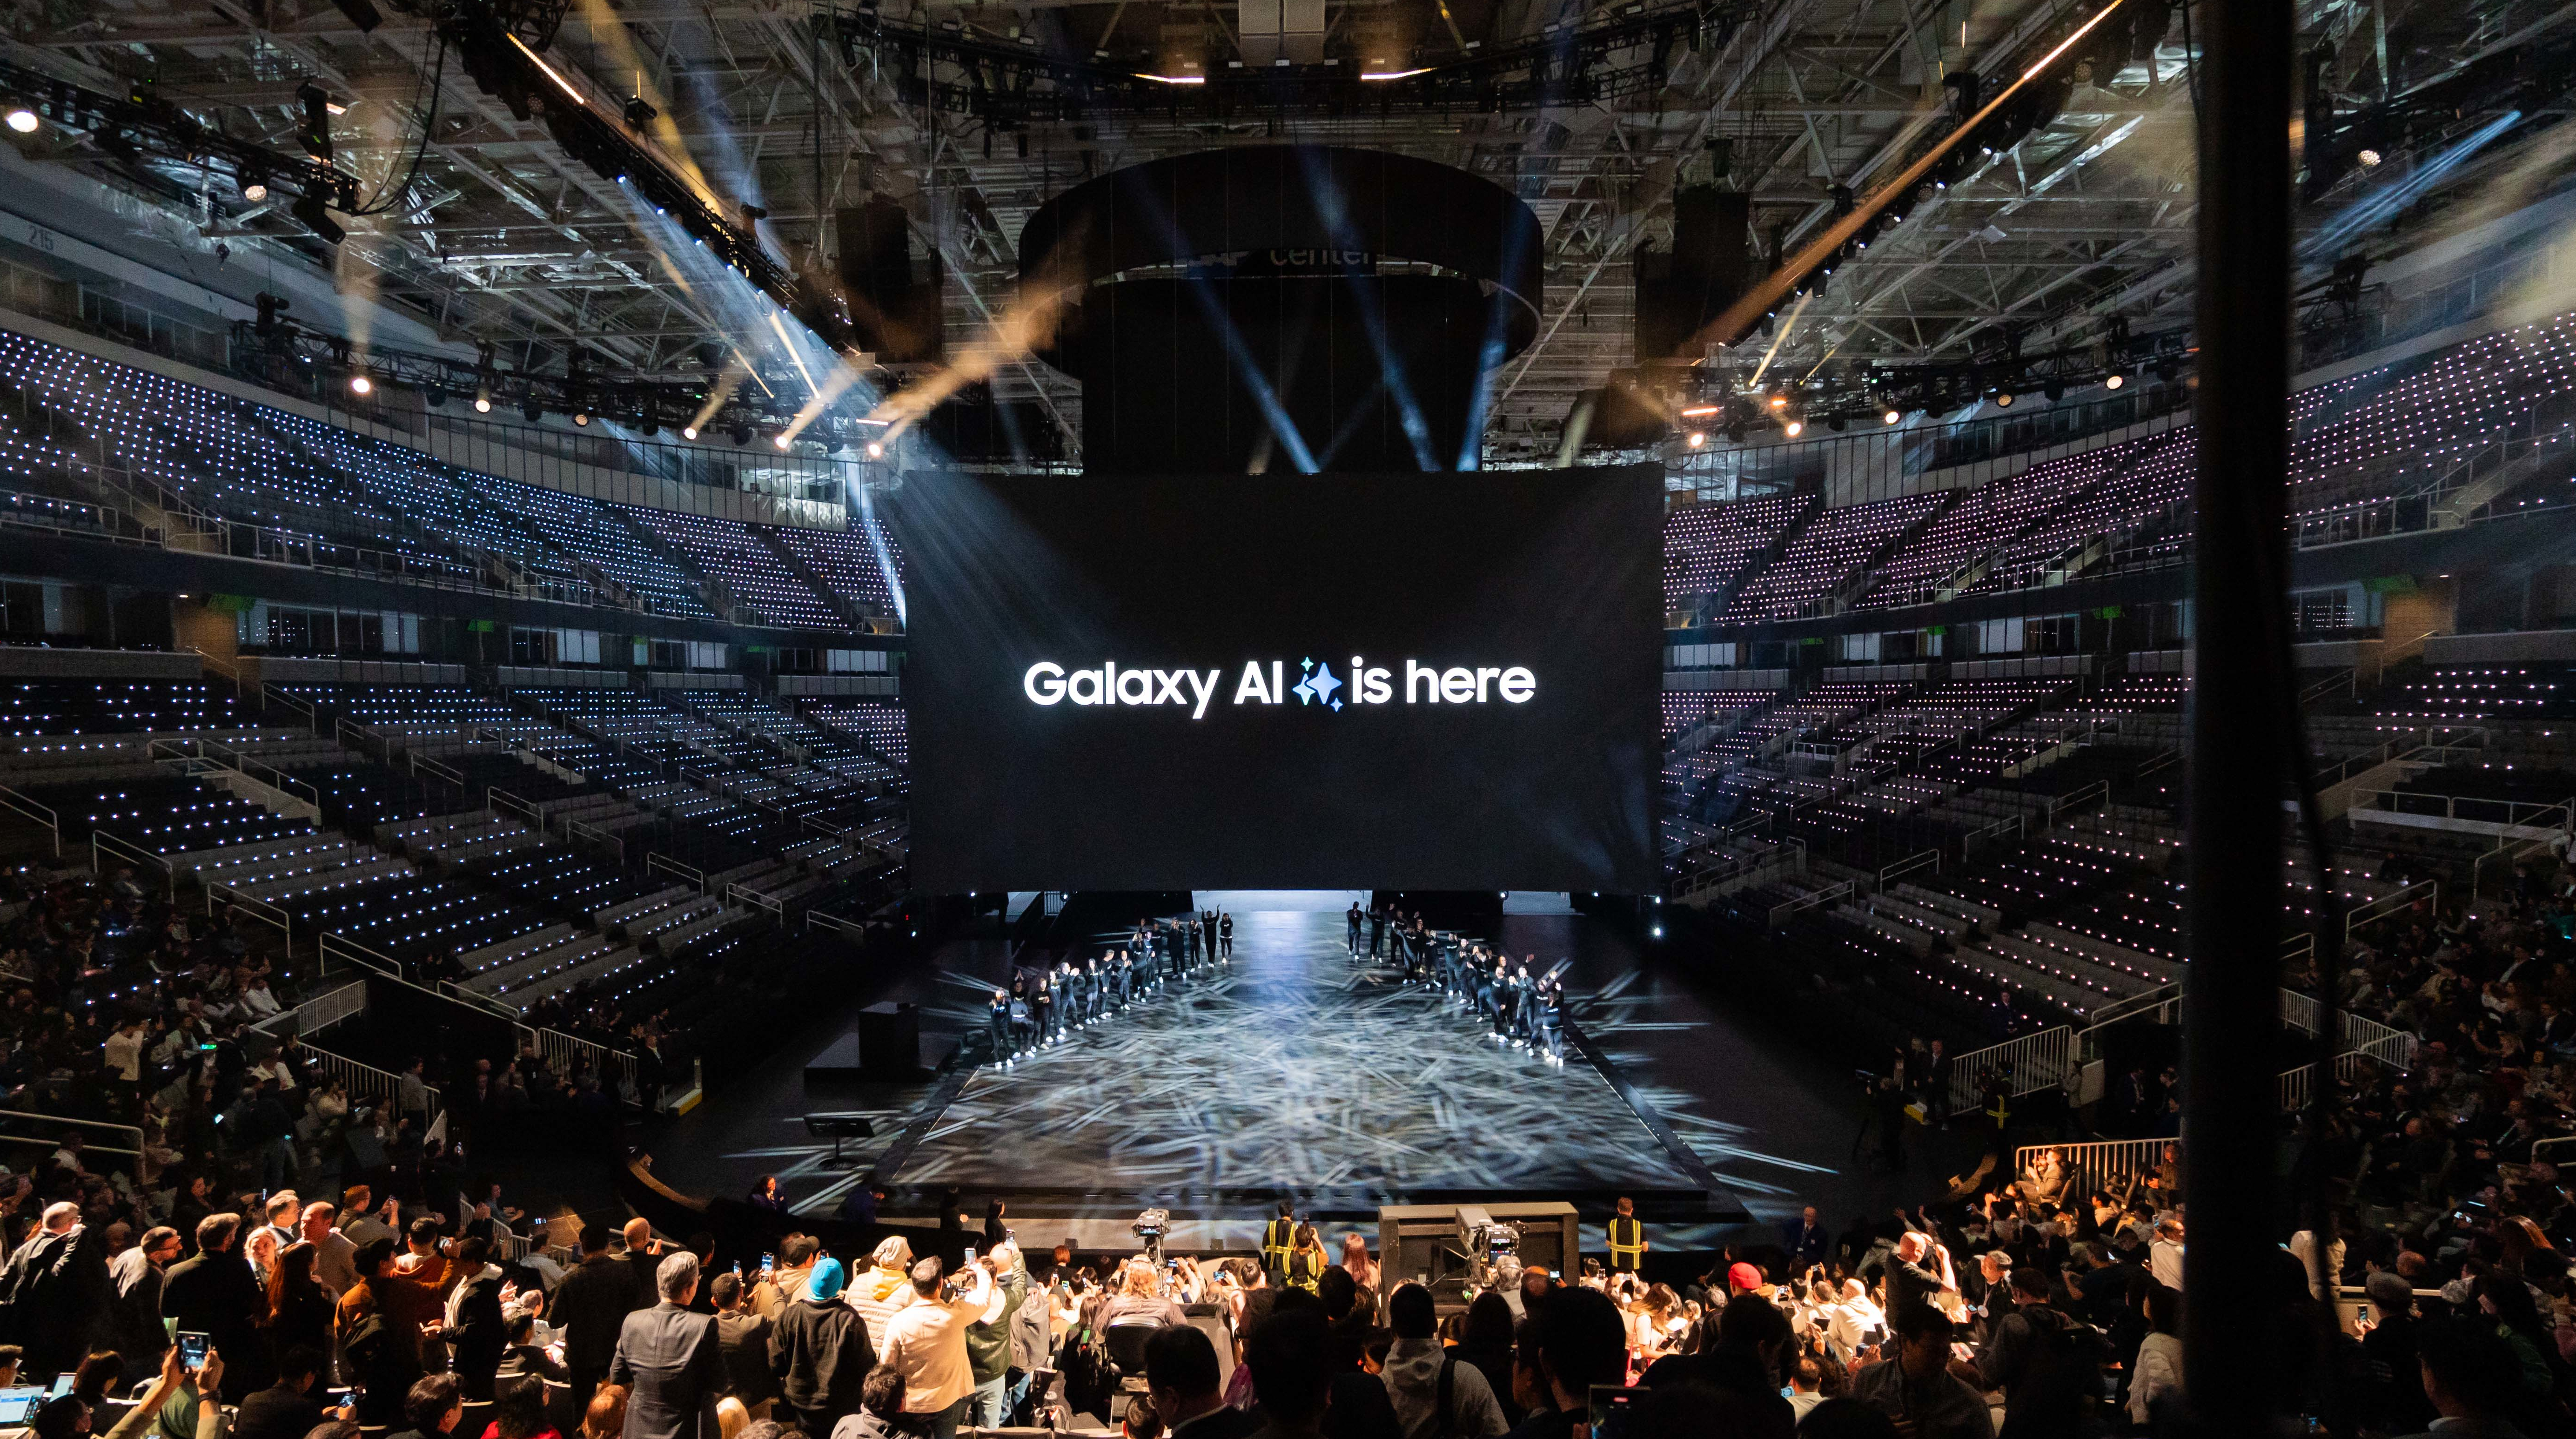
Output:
x=671 y=1361
x=1806 y=1241
x=54 y=1293
x=215 y=1293
x=590 y=1306
x=478 y=1334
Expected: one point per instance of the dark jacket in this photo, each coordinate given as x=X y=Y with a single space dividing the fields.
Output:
x=217 y=1295
x=478 y=1336
x=280 y=1411
x=745 y=1337
x=53 y=1296
x=134 y=1327
x=821 y=1354
x=673 y=1368
x=591 y=1305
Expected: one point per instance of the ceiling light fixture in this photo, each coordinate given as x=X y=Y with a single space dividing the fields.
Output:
x=361 y=385
x=23 y=120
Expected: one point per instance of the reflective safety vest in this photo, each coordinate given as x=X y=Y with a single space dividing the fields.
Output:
x=1627 y=1242
x=1278 y=1238
x=1305 y=1269
x=1999 y=1108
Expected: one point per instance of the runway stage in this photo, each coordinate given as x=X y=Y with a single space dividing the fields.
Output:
x=1294 y=1070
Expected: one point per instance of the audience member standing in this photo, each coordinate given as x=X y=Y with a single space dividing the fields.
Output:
x=1421 y=1377
x=744 y=1337
x=54 y=1292
x=988 y=1340
x=820 y=1353
x=214 y=1294
x=926 y=1340
x=885 y=1288
x=669 y=1360
x=134 y=1315
x=786 y=1282
x=590 y=1307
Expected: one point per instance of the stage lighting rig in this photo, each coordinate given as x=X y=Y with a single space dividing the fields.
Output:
x=1623 y=51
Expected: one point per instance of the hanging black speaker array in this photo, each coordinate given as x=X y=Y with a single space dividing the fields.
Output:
x=894 y=294
x=1711 y=263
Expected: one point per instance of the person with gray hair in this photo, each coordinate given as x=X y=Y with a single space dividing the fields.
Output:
x=54 y=1292
x=670 y=1360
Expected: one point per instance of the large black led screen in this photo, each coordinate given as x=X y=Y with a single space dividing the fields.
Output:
x=1393 y=681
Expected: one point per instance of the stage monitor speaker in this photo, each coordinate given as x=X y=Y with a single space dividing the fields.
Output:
x=890 y=1041
x=1709 y=266
x=894 y=299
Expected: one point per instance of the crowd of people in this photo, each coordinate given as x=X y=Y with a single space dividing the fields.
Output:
x=1043 y=1005
x=1521 y=1008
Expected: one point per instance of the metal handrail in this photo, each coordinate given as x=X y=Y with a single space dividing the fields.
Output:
x=373 y=961
x=328 y=1008
x=53 y=822
x=258 y=909
x=273 y=777
x=857 y=932
x=496 y=798
x=64 y=1120
x=697 y=878
x=1782 y=911
x=1911 y=863
x=100 y=839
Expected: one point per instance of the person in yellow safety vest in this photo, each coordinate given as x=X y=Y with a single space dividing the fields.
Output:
x=1627 y=1239
x=1306 y=1261
x=1278 y=1237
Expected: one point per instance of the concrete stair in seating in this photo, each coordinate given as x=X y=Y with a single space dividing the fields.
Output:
x=295 y=855
x=598 y=964
x=581 y=950
x=616 y=915
x=453 y=839
x=1950 y=904
x=2001 y=962
x=1916 y=941
x=680 y=936
x=349 y=876
x=2080 y=969
x=478 y=963
x=2149 y=970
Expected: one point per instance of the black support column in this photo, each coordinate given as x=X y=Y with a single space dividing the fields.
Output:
x=2239 y=770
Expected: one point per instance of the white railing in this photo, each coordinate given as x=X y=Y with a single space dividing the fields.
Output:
x=498 y=799
x=1781 y=913
x=817 y=919
x=49 y=1133
x=2097 y=1164
x=1990 y=834
x=18 y=803
x=2511 y=813
x=2038 y=1061
x=217 y=752
x=348 y=1001
x=737 y=894
x=376 y=1086
x=561 y=1052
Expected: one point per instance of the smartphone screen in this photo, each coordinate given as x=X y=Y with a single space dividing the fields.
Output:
x=768 y=1262
x=192 y=1349
x=1609 y=1404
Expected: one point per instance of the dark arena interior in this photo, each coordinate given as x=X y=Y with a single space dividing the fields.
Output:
x=1338 y=719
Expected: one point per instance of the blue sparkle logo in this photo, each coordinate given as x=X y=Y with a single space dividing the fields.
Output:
x=1318 y=686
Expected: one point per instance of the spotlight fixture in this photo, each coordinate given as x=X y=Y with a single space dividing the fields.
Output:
x=531 y=411
x=253 y=188
x=581 y=417
x=1695 y=439
x=782 y=441
x=23 y=120
x=483 y=402
x=1779 y=401
x=435 y=396
x=688 y=432
x=2003 y=399
x=1893 y=415
x=741 y=434
x=876 y=450
x=361 y=385
x=2368 y=158
x=2114 y=380
x=639 y=111
x=1794 y=428
x=2055 y=390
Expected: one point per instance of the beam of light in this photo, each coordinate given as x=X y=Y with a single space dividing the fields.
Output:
x=1394 y=74
x=1281 y=423
x=2378 y=208
x=726 y=383
x=1779 y=336
x=1366 y=296
x=609 y=29
x=1173 y=79
x=550 y=72
x=780 y=329
x=1765 y=296
x=1489 y=358
x=875 y=532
